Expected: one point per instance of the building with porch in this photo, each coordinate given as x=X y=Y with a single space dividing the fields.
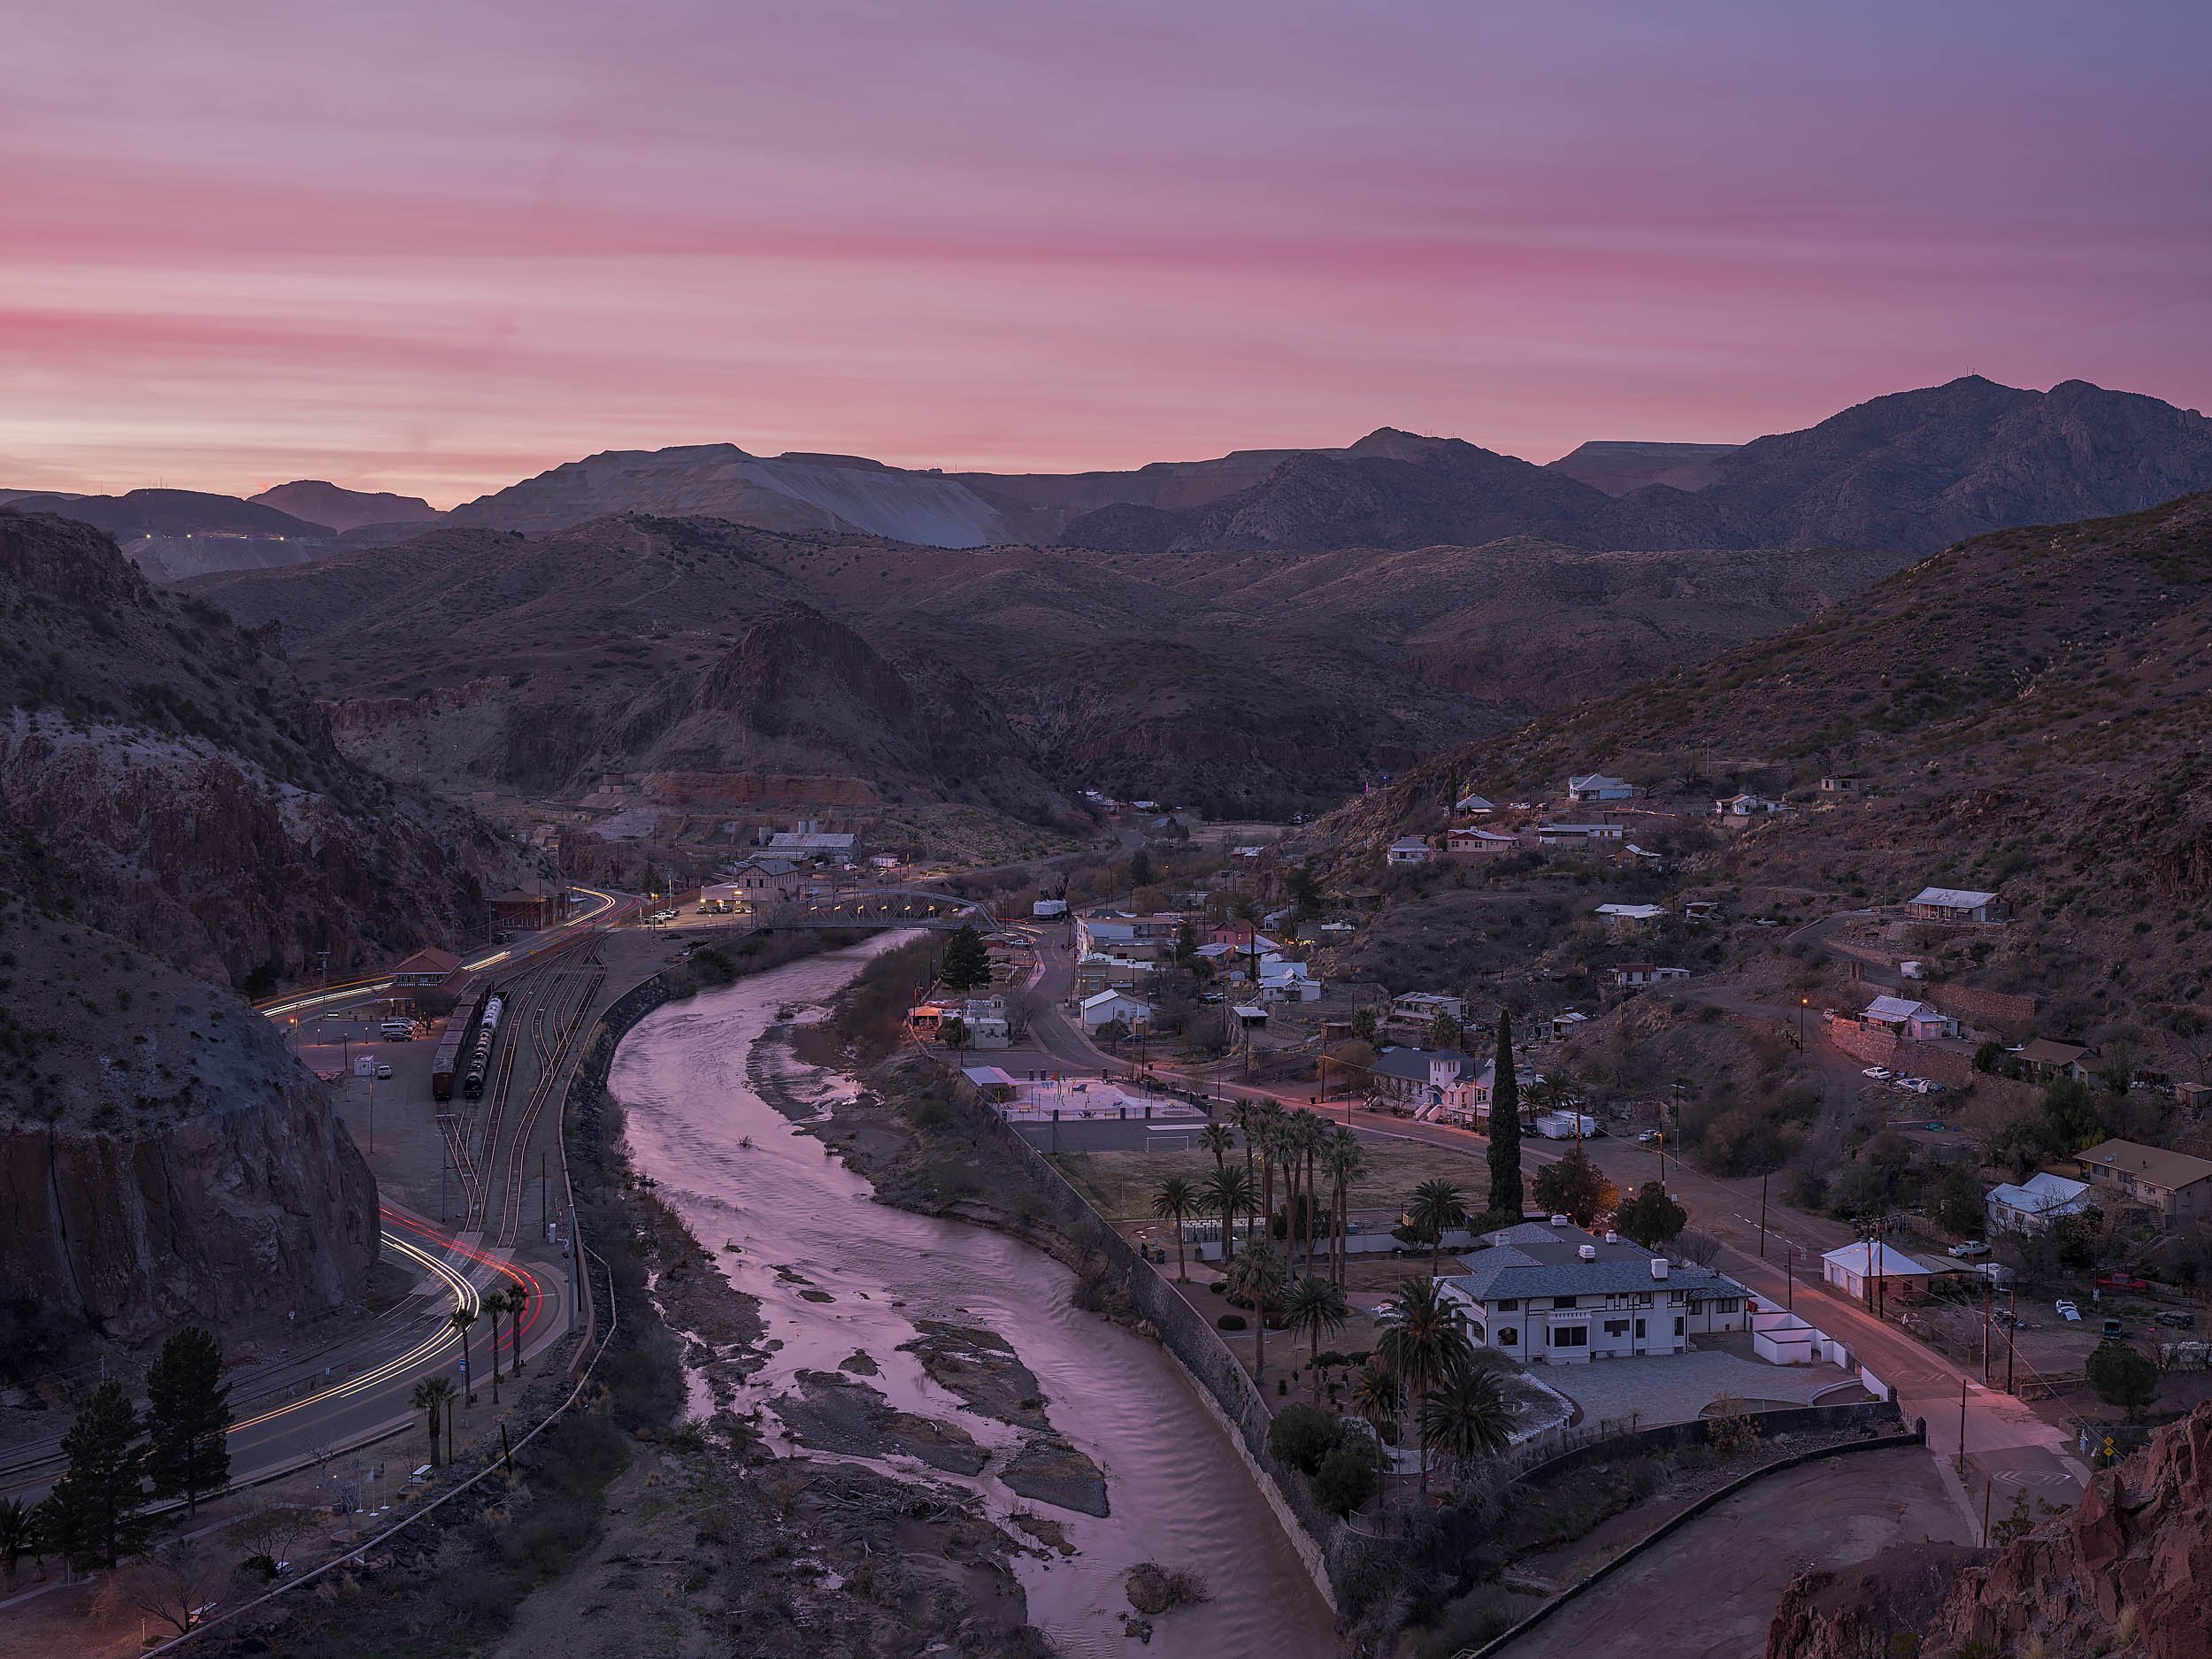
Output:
x=1551 y=1293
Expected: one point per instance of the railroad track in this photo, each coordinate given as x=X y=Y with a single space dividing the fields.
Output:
x=566 y=1026
x=529 y=994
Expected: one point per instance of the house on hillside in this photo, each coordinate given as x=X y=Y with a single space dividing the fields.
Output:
x=1952 y=904
x=1409 y=849
x=1736 y=811
x=1840 y=783
x=1559 y=1028
x=2035 y=1203
x=1629 y=918
x=1419 y=1009
x=1474 y=806
x=2046 y=1060
x=1916 y=1020
x=1549 y=1293
x=2173 y=1186
x=1569 y=837
x=1635 y=975
x=1471 y=843
x=1597 y=786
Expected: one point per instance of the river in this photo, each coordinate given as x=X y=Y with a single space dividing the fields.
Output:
x=737 y=1171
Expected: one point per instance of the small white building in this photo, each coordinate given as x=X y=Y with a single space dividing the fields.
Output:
x=1852 y=1268
x=2036 y=1202
x=1409 y=850
x=1569 y=836
x=1474 y=805
x=1951 y=904
x=1634 y=975
x=1106 y=1007
x=1597 y=786
x=1742 y=809
x=1553 y=1294
x=1623 y=919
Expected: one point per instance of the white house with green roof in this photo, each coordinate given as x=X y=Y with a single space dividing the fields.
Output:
x=1551 y=1293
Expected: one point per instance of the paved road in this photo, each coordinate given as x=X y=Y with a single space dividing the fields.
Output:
x=1708 y=1592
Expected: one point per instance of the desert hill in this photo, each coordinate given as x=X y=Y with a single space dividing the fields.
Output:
x=1275 y=676
x=1914 y=471
x=2024 y=713
x=171 y=534
x=327 y=504
x=1617 y=468
x=163 y=777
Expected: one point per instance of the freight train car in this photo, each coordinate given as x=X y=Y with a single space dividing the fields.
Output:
x=480 y=1045
x=468 y=1009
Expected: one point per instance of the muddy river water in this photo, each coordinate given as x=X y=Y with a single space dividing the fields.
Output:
x=838 y=1275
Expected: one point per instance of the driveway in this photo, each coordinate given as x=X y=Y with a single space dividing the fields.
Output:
x=1709 y=1591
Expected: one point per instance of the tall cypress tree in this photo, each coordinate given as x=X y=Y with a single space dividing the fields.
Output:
x=187 y=1418
x=1505 y=1128
x=99 y=1502
x=967 y=964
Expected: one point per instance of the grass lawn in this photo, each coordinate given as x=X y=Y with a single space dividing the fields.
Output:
x=1119 y=1185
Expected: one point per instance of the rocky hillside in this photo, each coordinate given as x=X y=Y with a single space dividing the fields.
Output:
x=1618 y=468
x=162 y=1156
x=2024 y=713
x=2124 y=1573
x=535 y=663
x=163 y=777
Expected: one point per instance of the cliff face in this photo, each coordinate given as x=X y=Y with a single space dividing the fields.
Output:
x=162 y=1155
x=2126 y=1572
x=164 y=777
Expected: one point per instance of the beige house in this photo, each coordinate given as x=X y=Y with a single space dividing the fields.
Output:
x=2175 y=1186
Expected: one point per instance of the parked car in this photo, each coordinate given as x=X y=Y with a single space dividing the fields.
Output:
x=384 y=1071
x=1968 y=1249
x=2112 y=1330
x=2122 y=1281
x=2068 y=1312
x=1920 y=1084
x=1879 y=1074
x=2175 y=1318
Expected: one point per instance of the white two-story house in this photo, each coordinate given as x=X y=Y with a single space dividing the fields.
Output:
x=1550 y=1293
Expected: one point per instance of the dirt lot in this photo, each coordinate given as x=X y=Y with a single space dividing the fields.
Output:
x=1832 y=1513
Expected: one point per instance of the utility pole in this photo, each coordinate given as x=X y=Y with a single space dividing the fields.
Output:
x=1762 y=1218
x=2012 y=1330
x=1789 y=1279
x=1961 y=1462
x=575 y=1270
x=1985 y=1329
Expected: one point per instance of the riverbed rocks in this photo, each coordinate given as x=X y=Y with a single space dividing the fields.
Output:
x=981 y=1367
x=833 y=1413
x=1050 y=1470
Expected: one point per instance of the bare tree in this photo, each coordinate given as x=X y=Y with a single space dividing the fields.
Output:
x=270 y=1535
x=1701 y=1247
x=170 y=1583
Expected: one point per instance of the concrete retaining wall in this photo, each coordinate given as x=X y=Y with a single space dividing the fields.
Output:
x=1223 y=1382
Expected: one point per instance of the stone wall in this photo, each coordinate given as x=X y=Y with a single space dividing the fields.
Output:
x=1877 y=1046
x=2012 y=1015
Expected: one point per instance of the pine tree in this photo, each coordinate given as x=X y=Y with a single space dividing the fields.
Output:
x=187 y=1418
x=967 y=964
x=1505 y=1127
x=99 y=1502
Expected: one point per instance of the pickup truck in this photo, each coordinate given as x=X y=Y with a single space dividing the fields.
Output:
x=2122 y=1281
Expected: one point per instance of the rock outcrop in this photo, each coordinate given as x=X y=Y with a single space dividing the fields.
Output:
x=163 y=777
x=2127 y=1572
x=162 y=1155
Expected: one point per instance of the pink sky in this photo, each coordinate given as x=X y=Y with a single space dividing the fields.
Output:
x=434 y=248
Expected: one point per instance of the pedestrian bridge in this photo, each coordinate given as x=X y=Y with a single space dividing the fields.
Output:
x=877 y=907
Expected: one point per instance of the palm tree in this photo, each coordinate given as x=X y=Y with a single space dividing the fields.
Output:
x=1172 y=1200
x=464 y=1317
x=1438 y=1207
x=1218 y=1139
x=1376 y=1398
x=1317 y=1307
x=1347 y=1160
x=1228 y=1194
x=1246 y=1114
x=1258 y=1273
x=433 y=1394
x=1467 y=1417
x=518 y=1304
x=494 y=1304
x=1423 y=1343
